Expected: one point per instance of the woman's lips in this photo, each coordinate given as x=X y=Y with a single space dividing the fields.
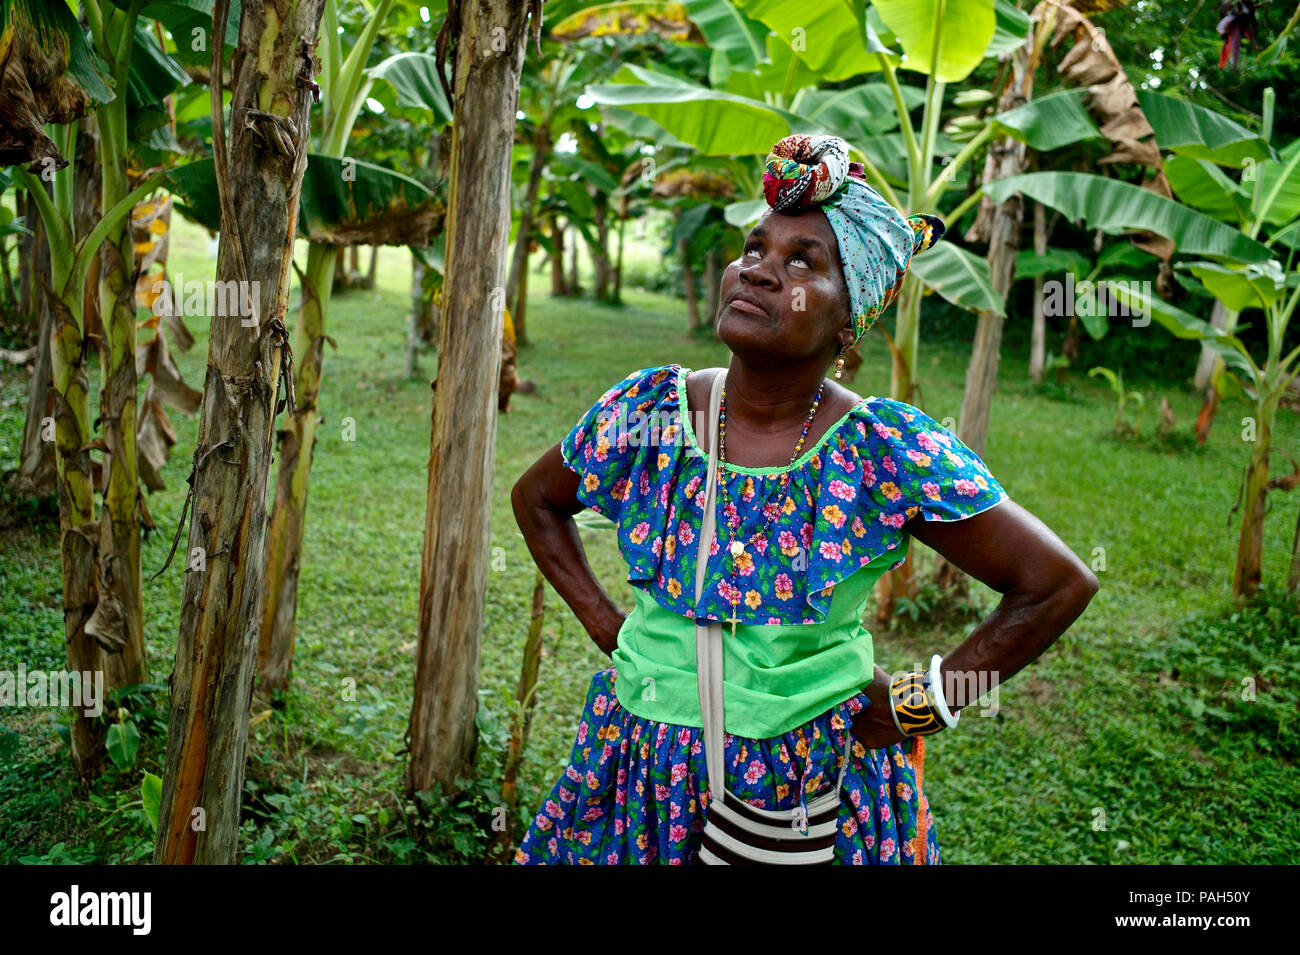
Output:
x=748 y=307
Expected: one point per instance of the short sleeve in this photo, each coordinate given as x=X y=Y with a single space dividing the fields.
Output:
x=933 y=471
x=606 y=448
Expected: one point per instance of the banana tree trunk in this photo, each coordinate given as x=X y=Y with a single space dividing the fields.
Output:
x=688 y=284
x=712 y=283
x=575 y=287
x=418 y=319
x=1250 y=542
x=1224 y=319
x=520 y=318
x=454 y=564
x=541 y=152
x=297 y=442
x=618 y=265
x=906 y=340
x=221 y=608
x=1038 y=336
x=79 y=532
x=120 y=622
x=600 y=251
x=36 y=475
x=37 y=263
x=525 y=703
x=559 y=287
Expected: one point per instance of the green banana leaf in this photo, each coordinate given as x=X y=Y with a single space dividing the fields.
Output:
x=857 y=113
x=1290 y=236
x=780 y=70
x=1243 y=286
x=1050 y=122
x=1202 y=185
x=945 y=38
x=1116 y=207
x=151 y=74
x=715 y=122
x=689 y=223
x=737 y=42
x=745 y=213
x=414 y=78
x=642 y=127
x=958 y=276
x=1139 y=299
x=1054 y=261
x=1274 y=190
x=1010 y=29
x=1124 y=255
x=1198 y=132
x=829 y=38
x=343 y=202
x=190 y=24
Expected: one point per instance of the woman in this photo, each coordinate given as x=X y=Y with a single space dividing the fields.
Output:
x=801 y=538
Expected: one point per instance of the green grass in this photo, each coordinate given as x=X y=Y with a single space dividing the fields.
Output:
x=1092 y=729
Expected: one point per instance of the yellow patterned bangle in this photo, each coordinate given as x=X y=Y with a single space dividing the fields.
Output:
x=912 y=707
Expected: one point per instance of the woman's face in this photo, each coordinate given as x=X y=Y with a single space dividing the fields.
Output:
x=785 y=296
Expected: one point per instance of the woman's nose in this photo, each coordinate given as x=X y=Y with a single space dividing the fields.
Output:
x=757 y=272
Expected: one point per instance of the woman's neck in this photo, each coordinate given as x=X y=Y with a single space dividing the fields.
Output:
x=770 y=398
x=766 y=409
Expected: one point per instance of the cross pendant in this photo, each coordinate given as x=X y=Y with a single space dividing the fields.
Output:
x=732 y=620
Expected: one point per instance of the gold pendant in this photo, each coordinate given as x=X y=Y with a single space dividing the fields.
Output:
x=737 y=548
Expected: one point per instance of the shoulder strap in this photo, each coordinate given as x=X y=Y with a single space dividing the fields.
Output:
x=708 y=636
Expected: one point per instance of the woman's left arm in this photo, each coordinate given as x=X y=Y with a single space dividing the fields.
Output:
x=1044 y=587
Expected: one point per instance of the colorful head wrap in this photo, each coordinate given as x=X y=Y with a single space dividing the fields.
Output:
x=876 y=241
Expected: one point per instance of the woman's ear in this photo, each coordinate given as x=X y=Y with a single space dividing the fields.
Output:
x=846 y=336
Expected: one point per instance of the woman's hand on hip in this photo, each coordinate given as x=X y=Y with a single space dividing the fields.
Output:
x=604 y=632
x=874 y=726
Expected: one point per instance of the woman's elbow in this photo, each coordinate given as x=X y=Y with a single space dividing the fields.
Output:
x=1077 y=588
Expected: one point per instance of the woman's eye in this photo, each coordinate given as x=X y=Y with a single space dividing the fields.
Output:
x=793 y=258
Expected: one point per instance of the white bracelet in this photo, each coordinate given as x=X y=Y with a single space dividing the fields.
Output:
x=936 y=686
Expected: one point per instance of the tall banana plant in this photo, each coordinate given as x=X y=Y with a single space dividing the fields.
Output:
x=95 y=558
x=1250 y=266
x=344 y=86
x=143 y=74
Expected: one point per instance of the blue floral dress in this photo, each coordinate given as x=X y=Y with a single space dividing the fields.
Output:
x=636 y=789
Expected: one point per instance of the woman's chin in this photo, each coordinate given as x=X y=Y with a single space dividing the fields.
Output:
x=741 y=331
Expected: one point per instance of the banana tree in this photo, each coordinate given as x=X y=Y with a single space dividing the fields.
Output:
x=1234 y=266
x=344 y=86
x=547 y=100
x=1275 y=292
x=100 y=565
x=143 y=75
x=1207 y=147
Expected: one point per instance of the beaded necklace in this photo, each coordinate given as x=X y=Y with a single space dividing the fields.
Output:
x=769 y=509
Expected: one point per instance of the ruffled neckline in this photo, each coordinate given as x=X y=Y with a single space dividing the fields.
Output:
x=679 y=383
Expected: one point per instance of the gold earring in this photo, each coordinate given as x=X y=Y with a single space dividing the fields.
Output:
x=839 y=367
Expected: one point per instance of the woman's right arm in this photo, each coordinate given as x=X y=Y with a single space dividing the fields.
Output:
x=544 y=499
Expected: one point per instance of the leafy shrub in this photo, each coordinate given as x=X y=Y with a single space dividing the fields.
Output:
x=1233 y=680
